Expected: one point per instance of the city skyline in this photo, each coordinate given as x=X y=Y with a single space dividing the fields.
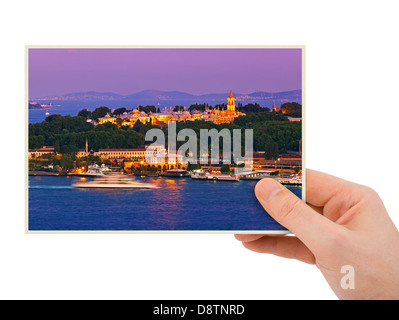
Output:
x=58 y=71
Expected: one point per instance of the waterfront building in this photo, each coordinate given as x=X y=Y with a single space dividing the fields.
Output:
x=120 y=154
x=37 y=153
x=154 y=154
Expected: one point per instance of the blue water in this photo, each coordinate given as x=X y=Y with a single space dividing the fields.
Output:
x=179 y=204
x=73 y=107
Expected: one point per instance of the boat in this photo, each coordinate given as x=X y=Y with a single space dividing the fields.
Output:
x=291 y=181
x=47 y=113
x=114 y=181
x=95 y=170
x=50 y=105
x=176 y=173
x=254 y=175
x=200 y=175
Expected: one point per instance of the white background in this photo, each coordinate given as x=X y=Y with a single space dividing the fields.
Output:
x=351 y=131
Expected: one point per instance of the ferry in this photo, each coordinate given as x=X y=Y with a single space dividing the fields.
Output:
x=114 y=181
x=200 y=175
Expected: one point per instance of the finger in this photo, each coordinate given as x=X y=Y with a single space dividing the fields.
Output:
x=248 y=237
x=252 y=237
x=290 y=211
x=287 y=247
x=317 y=209
x=321 y=187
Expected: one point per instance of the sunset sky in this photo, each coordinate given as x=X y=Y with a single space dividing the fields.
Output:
x=196 y=70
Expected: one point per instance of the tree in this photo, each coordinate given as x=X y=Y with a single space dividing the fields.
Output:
x=100 y=112
x=53 y=117
x=138 y=125
x=36 y=142
x=225 y=168
x=84 y=113
x=119 y=111
x=178 y=108
x=291 y=108
x=69 y=149
x=148 y=108
x=67 y=162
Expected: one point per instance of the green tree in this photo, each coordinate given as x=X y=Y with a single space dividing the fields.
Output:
x=100 y=112
x=67 y=162
x=84 y=113
x=36 y=142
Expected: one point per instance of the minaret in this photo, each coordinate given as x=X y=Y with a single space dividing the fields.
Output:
x=87 y=146
x=230 y=102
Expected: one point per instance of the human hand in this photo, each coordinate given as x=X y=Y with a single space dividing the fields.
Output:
x=342 y=224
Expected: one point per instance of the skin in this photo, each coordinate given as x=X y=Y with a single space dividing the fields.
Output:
x=341 y=224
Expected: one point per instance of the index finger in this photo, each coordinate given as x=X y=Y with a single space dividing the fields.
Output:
x=321 y=187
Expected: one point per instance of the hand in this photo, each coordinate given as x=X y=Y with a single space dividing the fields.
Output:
x=342 y=224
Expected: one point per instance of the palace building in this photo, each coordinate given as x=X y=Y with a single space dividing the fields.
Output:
x=163 y=118
x=228 y=115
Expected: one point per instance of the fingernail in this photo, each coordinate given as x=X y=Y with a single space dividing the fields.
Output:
x=266 y=189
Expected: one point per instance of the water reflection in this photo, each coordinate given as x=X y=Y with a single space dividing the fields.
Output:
x=178 y=204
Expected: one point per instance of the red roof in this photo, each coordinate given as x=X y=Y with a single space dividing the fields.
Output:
x=118 y=150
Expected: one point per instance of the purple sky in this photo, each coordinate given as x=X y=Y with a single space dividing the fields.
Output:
x=196 y=71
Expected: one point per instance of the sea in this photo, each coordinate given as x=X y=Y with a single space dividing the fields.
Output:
x=72 y=107
x=178 y=204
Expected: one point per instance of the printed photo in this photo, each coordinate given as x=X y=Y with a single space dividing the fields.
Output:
x=161 y=139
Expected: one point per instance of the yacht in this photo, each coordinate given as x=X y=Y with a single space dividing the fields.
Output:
x=95 y=170
x=200 y=175
x=114 y=181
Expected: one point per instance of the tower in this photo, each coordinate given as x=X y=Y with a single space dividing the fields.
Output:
x=230 y=102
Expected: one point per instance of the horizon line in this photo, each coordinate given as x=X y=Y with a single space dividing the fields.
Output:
x=163 y=91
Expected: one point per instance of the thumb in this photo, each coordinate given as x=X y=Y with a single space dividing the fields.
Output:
x=293 y=213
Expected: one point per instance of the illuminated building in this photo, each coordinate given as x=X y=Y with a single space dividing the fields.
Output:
x=37 y=153
x=228 y=115
x=163 y=118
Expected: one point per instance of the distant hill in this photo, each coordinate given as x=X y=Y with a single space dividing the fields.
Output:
x=90 y=95
x=157 y=95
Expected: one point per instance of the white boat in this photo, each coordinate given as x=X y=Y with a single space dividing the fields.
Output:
x=200 y=175
x=175 y=173
x=114 y=181
x=296 y=181
x=254 y=175
x=95 y=170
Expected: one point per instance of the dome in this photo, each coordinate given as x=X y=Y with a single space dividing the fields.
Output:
x=135 y=111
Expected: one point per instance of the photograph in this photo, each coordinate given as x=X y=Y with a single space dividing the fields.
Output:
x=161 y=139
